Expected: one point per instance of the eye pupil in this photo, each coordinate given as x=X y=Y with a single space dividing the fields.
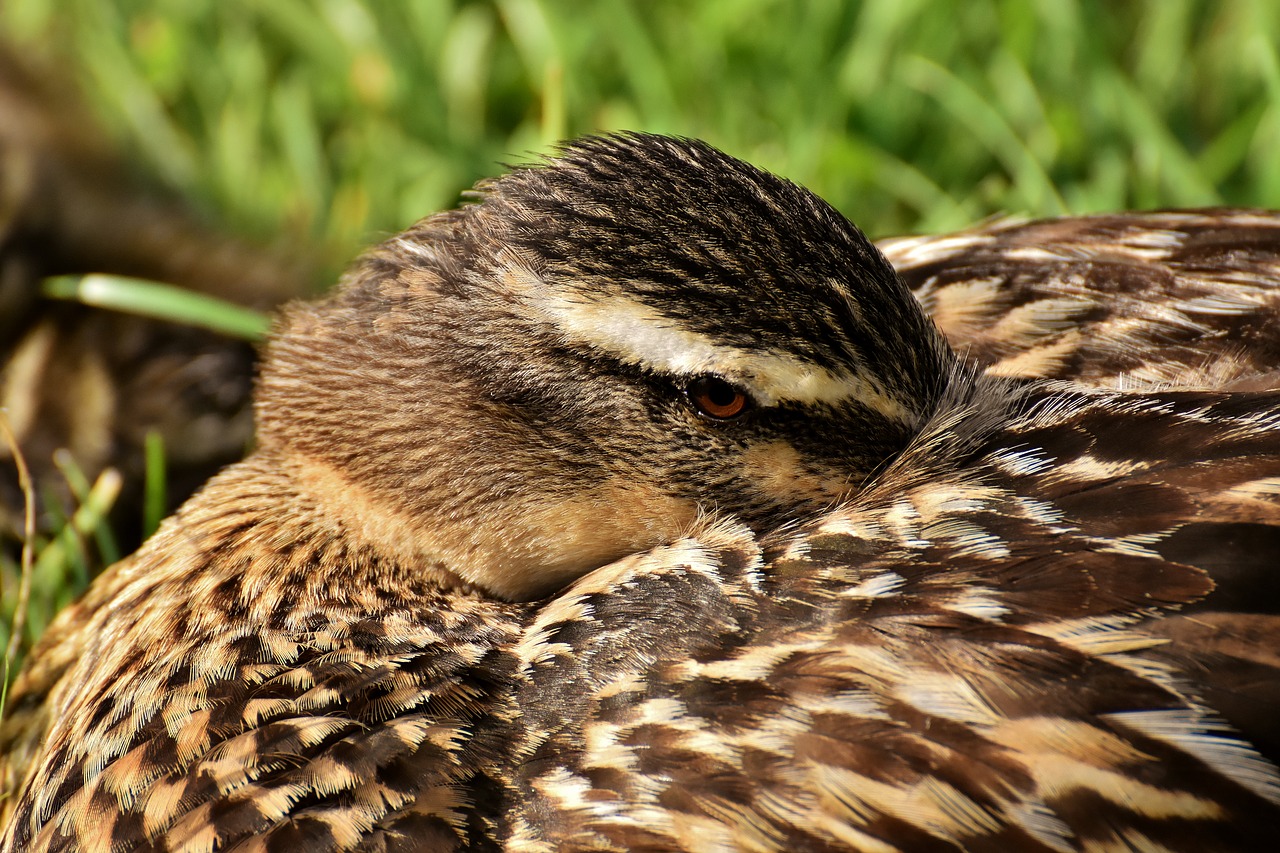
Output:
x=716 y=398
x=720 y=394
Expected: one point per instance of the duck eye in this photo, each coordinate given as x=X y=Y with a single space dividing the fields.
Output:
x=716 y=398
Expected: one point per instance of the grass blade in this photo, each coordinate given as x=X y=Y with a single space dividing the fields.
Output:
x=161 y=301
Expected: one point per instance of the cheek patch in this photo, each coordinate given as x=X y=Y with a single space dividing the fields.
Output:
x=778 y=470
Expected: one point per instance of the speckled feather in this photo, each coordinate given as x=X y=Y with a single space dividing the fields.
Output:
x=1045 y=622
x=953 y=661
x=1183 y=297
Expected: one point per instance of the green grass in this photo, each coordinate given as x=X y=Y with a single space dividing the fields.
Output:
x=53 y=571
x=165 y=302
x=336 y=121
x=330 y=123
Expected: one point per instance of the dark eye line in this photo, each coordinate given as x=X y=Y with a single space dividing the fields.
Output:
x=727 y=401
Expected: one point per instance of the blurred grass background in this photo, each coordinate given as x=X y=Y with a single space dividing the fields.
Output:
x=328 y=124
x=334 y=122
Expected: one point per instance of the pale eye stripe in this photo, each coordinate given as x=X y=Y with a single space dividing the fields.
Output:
x=634 y=333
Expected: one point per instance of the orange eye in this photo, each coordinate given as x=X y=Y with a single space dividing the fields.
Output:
x=715 y=398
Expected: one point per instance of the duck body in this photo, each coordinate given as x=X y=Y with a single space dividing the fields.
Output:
x=1179 y=298
x=639 y=506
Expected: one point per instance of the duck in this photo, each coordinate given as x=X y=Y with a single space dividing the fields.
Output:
x=640 y=504
x=1151 y=298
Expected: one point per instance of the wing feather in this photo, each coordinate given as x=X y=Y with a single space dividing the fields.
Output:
x=1179 y=298
x=973 y=655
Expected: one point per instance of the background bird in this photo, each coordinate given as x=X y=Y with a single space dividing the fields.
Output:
x=639 y=506
x=94 y=383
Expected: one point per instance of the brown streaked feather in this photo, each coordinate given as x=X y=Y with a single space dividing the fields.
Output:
x=286 y=705
x=1178 y=298
x=951 y=662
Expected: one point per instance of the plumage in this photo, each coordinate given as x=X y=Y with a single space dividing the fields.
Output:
x=503 y=575
x=1165 y=297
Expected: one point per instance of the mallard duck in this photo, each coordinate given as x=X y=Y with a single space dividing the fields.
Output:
x=639 y=505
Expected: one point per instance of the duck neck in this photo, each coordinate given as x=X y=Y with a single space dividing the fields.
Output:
x=265 y=536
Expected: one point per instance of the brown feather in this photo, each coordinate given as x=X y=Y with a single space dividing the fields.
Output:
x=1040 y=621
